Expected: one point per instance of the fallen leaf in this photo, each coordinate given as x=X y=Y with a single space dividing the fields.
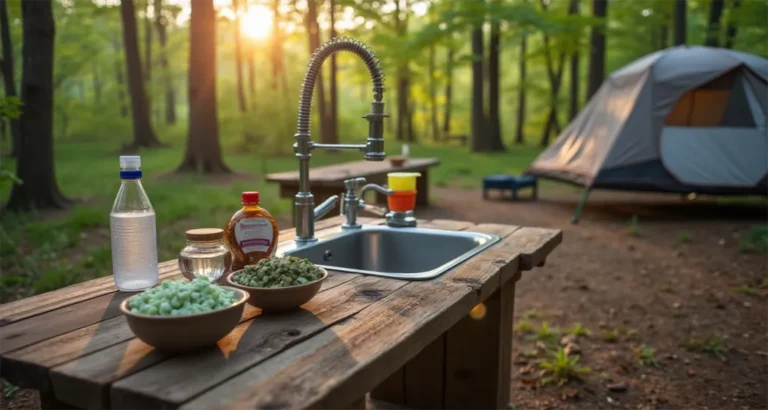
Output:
x=569 y=393
x=618 y=387
x=572 y=349
x=691 y=372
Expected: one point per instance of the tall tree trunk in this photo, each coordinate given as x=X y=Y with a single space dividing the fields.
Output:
x=730 y=33
x=680 y=22
x=597 y=48
x=277 y=43
x=162 y=37
x=713 y=28
x=119 y=77
x=143 y=134
x=479 y=135
x=519 y=135
x=435 y=121
x=148 y=55
x=38 y=190
x=411 y=130
x=96 y=81
x=239 y=58
x=403 y=86
x=9 y=77
x=555 y=78
x=333 y=117
x=448 y=93
x=252 y=75
x=203 y=153
x=314 y=42
x=573 y=104
x=495 y=142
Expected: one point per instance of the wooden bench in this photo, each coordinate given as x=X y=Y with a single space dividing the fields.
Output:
x=409 y=342
x=329 y=180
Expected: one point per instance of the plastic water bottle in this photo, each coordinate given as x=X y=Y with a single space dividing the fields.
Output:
x=133 y=231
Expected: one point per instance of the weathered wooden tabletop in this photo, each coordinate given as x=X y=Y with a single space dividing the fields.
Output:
x=335 y=174
x=412 y=343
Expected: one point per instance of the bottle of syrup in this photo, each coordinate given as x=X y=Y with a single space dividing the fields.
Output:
x=251 y=234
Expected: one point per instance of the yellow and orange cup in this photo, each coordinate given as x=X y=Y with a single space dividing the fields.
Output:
x=403 y=186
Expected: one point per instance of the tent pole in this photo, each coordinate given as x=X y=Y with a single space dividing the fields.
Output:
x=579 y=208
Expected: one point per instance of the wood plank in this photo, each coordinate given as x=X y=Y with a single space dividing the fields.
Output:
x=535 y=244
x=334 y=174
x=45 y=302
x=376 y=404
x=87 y=375
x=424 y=381
x=444 y=224
x=487 y=271
x=29 y=366
x=478 y=355
x=181 y=378
x=331 y=369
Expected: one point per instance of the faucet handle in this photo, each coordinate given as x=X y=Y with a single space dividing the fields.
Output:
x=353 y=183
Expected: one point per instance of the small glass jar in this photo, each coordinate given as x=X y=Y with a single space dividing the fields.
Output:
x=205 y=254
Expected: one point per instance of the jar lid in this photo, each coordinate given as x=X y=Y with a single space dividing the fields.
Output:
x=205 y=234
x=250 y=197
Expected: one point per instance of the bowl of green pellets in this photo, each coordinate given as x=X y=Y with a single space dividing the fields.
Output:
x=184 y=315
x=279 y=284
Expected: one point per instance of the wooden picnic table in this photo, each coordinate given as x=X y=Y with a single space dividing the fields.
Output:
x=421 y=344
x=329 y=180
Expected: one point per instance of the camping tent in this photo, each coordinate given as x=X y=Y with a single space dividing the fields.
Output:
x=684 y=119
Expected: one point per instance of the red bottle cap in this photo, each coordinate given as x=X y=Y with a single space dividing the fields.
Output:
x=250 y=197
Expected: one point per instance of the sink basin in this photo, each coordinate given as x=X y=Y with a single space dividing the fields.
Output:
x=402 y=253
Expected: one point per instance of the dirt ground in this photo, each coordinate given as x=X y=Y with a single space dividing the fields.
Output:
x=677 y=279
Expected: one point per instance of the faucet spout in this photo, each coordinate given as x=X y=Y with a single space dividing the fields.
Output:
x=373 y=148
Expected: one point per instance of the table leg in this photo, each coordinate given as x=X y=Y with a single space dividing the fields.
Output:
x=478 y=357
x=48 y=401
x=422 y=188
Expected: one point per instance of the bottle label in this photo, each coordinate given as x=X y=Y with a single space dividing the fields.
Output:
x=254 y=234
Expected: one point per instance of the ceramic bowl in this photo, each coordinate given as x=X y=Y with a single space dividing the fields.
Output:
x=188 y=332
x=397 y=161
x=280 y=299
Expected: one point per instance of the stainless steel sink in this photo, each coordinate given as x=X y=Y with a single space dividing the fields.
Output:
x=402 y=253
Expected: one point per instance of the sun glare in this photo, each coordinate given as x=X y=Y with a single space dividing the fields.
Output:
x=256 y=23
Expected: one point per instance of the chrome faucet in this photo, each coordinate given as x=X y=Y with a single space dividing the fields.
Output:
x=305 y=211
x=351 y=204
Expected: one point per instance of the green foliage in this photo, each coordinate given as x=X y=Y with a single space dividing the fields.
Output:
x=754 y=240
x=685 y=237
x=610 y=336
x=9 y=391
x=748 y=290
x=633 y=226
x=523 y=327
x=561 y=368
x=548 y=335
x=712 y=343
x=646 y=356
x=531 y=314
x=578 y=330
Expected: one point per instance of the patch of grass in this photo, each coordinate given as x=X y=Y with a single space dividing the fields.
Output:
x=747 y=290
x=755 y=240
x=523 y=327
x=610 y=336
x=9 y=391
x=99 y=259
x=55 y=278
x=684 y=237
x=546 y=334
x=712 y=344
x=530 y=352
x=578 y=330
x=633 y=226
x=646 y=356
x=561 y=368
x=531 y=314
x=764 y=283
